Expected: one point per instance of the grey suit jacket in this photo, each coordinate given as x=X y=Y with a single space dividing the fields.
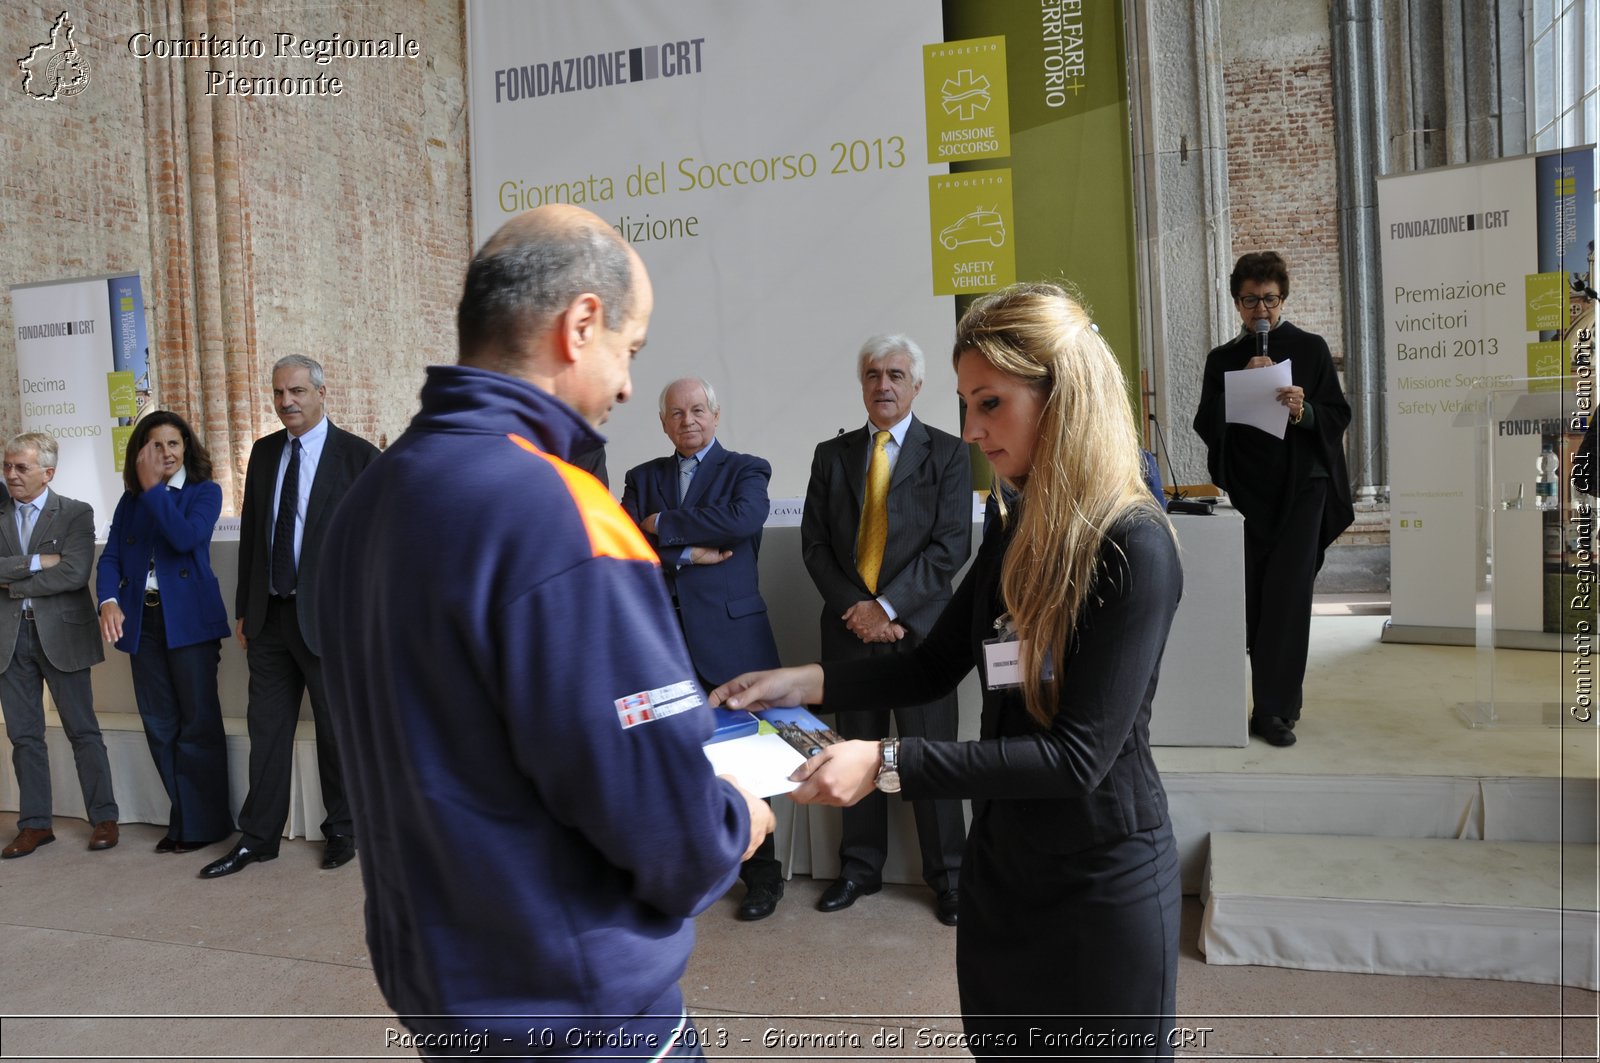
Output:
x=930 y=529
x=63 y=607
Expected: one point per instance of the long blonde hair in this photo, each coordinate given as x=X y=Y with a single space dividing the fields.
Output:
x=1087 y=471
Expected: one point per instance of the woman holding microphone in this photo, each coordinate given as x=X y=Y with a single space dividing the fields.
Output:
x=160 y=602
x=1067 y=938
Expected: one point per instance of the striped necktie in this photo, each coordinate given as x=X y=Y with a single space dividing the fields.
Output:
x=283 y=561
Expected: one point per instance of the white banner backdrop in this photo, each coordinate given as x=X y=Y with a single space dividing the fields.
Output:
x=65 y=348
x=1461 y=248
x=768 y=162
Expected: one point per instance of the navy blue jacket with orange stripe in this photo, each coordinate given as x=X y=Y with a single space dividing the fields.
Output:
x=521 y=731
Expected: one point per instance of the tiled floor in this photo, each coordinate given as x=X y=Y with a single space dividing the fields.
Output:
x=266 y=963
x=102 y=938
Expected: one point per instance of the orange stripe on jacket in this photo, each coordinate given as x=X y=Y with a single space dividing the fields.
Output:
x=611 y=532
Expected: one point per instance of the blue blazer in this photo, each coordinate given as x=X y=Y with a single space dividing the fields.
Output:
x=724 y=617
x=174 y=527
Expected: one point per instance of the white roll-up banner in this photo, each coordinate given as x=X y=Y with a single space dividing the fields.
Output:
x=83 y=376
x=1485 y=270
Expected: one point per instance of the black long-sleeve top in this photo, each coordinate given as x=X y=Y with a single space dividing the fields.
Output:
x=1086 y=779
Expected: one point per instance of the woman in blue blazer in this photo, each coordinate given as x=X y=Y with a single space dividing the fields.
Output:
x=160 y=602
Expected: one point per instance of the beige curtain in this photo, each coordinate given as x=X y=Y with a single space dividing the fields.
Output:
x=202 y=300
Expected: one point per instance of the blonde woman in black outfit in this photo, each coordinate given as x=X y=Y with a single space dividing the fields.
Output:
x=1068 y=931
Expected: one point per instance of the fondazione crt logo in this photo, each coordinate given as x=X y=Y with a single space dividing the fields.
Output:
x=55 y=68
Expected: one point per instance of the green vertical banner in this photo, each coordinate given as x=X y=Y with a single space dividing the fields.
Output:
x=1059 y=108
x=119 y=446
x=122 y=398
x=973 y=221
x=1546 y=301
x=965 y=97
x=1545 y=365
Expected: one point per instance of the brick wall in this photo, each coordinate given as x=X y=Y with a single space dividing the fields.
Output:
x=353 y=210
x=1282 y=182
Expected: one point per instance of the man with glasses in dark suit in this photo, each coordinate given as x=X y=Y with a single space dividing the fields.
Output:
x=49 y=634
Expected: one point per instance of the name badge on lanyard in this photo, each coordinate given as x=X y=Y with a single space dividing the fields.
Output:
x=1002 y=657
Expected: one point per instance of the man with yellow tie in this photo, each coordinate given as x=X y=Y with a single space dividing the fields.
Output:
x=888 y=522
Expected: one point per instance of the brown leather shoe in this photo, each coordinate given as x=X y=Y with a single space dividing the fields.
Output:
x=104 y=836
x=28 y=839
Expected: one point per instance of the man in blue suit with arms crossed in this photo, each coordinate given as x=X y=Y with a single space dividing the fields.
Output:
x=703 y=507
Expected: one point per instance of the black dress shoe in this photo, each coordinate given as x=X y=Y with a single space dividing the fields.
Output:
x=166 y=845
x=239 y=858
x=843 y=893
x=1274 y=729
x=760 y=901
x=948 y=907
x=340 y=850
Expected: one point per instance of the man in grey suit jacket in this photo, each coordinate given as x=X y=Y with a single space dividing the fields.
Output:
x=928 y=509
x=49 y=634
x=292 y=486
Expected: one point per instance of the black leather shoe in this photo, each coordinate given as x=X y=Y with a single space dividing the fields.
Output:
x=340 y=850
x=760 y=901
x=1274 y=729
x=948 y=907
x=239 y=858
x=843 y=893
x=166 y=845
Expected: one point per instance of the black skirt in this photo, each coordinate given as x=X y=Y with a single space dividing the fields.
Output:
x=1068 y=954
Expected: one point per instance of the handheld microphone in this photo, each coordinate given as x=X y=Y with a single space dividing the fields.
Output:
x=1263 y=327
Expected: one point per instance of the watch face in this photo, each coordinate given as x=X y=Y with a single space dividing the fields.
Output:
x=888 y=782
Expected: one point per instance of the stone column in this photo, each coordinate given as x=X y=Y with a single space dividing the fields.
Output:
x=1180 y=173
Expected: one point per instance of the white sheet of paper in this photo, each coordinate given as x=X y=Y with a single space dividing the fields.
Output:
x=761 y=763
x=1250 y=396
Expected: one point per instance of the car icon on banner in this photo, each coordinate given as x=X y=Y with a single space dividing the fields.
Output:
x=1546 y=301
x=978 y=227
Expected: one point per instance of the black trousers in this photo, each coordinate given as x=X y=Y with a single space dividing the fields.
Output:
x=941 y=826
x=282 y=668
x=1280 y=567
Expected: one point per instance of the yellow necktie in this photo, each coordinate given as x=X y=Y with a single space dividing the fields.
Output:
x=874 y=531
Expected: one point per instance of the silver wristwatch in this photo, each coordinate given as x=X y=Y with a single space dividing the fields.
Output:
x=888 y=779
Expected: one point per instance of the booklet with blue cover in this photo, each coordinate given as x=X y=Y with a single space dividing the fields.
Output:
x=733 y=723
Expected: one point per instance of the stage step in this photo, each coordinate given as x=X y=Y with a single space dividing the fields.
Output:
x=1514 y=911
